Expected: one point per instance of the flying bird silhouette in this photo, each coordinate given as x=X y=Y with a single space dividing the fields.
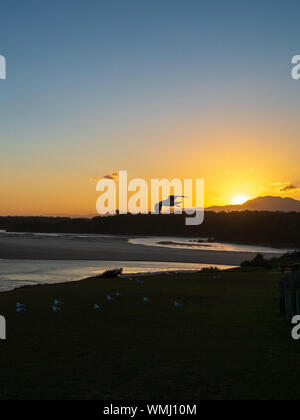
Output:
x=169 y=202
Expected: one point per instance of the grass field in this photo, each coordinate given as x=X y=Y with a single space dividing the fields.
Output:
x=227 y=342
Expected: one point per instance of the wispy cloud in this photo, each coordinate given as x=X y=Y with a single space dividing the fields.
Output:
x=288 y=187
x=284 y=186
x=114 y=176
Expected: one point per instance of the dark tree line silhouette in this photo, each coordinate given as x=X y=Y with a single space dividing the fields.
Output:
x=249 y=227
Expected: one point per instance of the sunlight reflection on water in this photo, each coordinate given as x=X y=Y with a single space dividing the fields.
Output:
x=202 y=245
x=17 y=273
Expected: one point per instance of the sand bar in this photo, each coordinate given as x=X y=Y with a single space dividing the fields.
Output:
x=110 y=249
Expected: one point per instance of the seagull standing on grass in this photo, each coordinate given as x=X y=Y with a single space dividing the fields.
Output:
x=57 y=307
x=20 y=307
x=110 y=299
x=58 y=303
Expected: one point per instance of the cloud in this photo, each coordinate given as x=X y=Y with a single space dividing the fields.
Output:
x=288 y=187
x=113 y=176
x=94 y=179
x=277 y=184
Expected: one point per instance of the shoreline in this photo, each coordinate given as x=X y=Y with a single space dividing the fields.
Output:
x=127 y=237
x=112 y=249
x=128 y=277
x=25 y=273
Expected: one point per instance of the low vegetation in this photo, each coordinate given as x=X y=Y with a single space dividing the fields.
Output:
x=290 y=260
x=108 y=274
x=227 y=341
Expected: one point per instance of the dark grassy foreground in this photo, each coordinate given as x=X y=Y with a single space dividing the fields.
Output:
x=228 y=342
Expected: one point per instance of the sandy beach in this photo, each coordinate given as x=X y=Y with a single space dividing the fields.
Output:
x=109 y=248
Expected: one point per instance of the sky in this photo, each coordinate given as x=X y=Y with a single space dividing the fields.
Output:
x=162 y=89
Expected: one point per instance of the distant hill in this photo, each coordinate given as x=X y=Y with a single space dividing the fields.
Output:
x=262 y=204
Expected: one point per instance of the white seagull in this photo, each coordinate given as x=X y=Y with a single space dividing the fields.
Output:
x=110 y=299
x=58 y=303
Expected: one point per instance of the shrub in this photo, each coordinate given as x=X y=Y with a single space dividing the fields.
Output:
x=258 y=261
x=115 y=272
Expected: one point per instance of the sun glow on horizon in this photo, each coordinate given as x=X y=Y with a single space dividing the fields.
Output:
x=239 y=199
